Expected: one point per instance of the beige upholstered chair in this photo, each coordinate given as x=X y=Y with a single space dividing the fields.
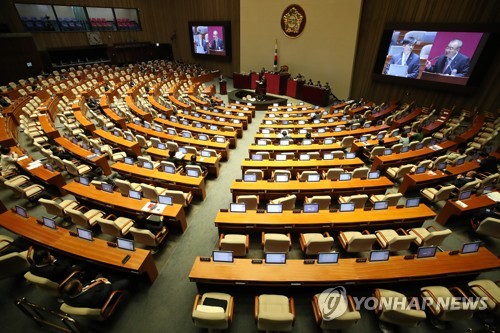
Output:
x=396 y=149
x=469 y=186
x=115 y=226
x=333 y=173
x=16 y=180
x=152 y=192
x=360 y=172
x=313 y=243
x=76 y=170
x=395 y=309
x=30 y=193
x=447 y=304
x=146 y=237
x=85 y=220
x=440 y=193
x=488 y=227
x=276 y=242
x=347 y=141
x=425 y=163
x=338 y=154
x=429 y=236
x=324 y=201
x=355 y=241
x=399 y=172
x=259 y=174
x=394 y=240
x=376 y=151
x=304 y=174
x=179 y=197
x=359 y=200
x=237 y=243
x=490 y=291
x=57 y=208
x=251 y=201
x=282 y=172
x=287 y=202
x=124 y=186
x=207 y=313
x=274 y=313
x=43 y=283
x=349 y=318
x=391 y=198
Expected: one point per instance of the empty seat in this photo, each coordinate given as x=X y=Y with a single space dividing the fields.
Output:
x=489 y=227
x=359 y=200
x=115 y=226
x=152 y=192
x=399 y=172
x=303 y=176
x=276 y=242
x=288 y=202
x=313 y=243
x=76 y=170
x=251 y=201
x=57 y=208
x=124 y=186
x=207 y=313
x=394 y=309
x=489 y=291
x=323 y=201
x=238 y=244
x=146 y=237
x=333 y=173
x=355 y=241
x=349 y=317
x=85 y=220
x=274 y=313
x=440 y=193
x=360 y=172
x=430 y=236
x=179 y=197
x=391 y=198
x=447 y=304
x=394 y=240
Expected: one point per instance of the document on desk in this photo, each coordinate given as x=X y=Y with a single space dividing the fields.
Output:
x=22 y=157
x=152 y=207
x=34 y=165
x=495 y=196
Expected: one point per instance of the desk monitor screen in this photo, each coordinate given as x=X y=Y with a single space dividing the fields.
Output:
x=350 y=156
x=107 y=187
x=347 y=207
x=367 y=125
x=280 y=157
x=354 y=127
x=345 y=176
x=374 y=175
x=250 y=177
x=426 y=251
x=321 y=130
x=313 y=178
x=97 y=151
x=387 y=152
x=116 y=133
x=306 y=142
x=265 y=131
x=380 y=205
x=420 y=170
x=275 y=258
x=129 y=137
x=441 y=166
x=183 y=150
x=328 y=257
x=192 y=173
x=125 y=244
x=205 y=153
x=464 y=195
x=413 y=202
x=338 y=129
x=214 y=127
x=171 y=131
x=275 y=104
x=198 y=125
x=274 y=208
x=433 y=142
x=380 y=136
x=84 y=181
x=282 y=178
x=129 y=160
x=395 y=133
x=470 y=247
x=137 y=122
x=237 y=208
x=257 y=157
x=285 y=122
x=168 y=169
x=105 y=128
x=305 y=157
x=74 y=140
x=261 y=142
x=302 y=130
x=208 y=117
x=487 y=189
x=284 y=142
x=460 y=161
x=363 y=138
x=84 y=234
x=162 y=146
x=134 y=194
x=311 y=208
x=379 y=255
x=316 y=121
x=21 y=211
x=420 y=146
x=163 y=116
x=147 y=165
x=328 y=156
x=85 y=146
x=220 y=139
x=48 y=222
x=405 y=149
x=165 y=200
x=343 y=118
x=328 y=141
x=186 y=135
x=147 y=125
x=202 y=137
x=49 y=167
x=222 y=256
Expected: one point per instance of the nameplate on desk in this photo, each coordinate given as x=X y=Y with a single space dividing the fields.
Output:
x=224 y=210
x=260 y=211
x=361 y=260
x=256 y=261
x=72 y=233
x=240 y=283
x=239 y=180
x=249 y=226
x=296 y=211
x=205 y=259
x=111 y=244
x=454 y=252
x=333 y=210
x=400 y=206
x=309 y=261
x=295 y=284
x=409 y=257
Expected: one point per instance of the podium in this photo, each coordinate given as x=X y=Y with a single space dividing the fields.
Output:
x=294 y=88
x=315 y=95
x=444 y=78
x=241 y=81
x=260 y=89
x=276 y=83
x=222 y=87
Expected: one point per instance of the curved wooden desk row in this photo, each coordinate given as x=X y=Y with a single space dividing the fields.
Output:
x=292 y=124
x=8 y=132
x=247 y=110
x=138 y=111
x=472 y=131
x=221 y=148
x=381 y=114
x=230 y=136
x=48 y=127
x=293 y=148
x=345 y=272
x=272 y=190
x=118 y=141
x=268 y=166
x=121 y=122
x=399 y=123
x=84 y=154
x=212 y=118
x=356 y=145
x=414 y=181
x=393 y=217
x=96 y=251
x=413 y=156
x=211 y=163
x=176 y=181
x=341 y=105
x=130 y=206
x=452 y=208
x=444 y=116
x=337 y=135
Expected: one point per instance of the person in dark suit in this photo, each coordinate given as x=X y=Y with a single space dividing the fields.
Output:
x=452 y=62
x=45 y=265
x=217 y=43
x=408 y=58
x=92 y=295
x=488 y=164
x=171 y=158
x=462 y=180
x=192 y=161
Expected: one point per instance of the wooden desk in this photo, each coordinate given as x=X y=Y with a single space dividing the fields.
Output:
x=111 y=114
x=48 y=127
x=277 y=149
x=131 y=146
x=138 y=111
x=451 y=208
x=296 y=166
x=7 y=138
x=438 y=123
x=272 y=190
x=472 y=131
x=413 y=181
x=328 y=134
x=157 y=106
x=384 y=162
x=211 y=163
x=382 y=113
x=97 y=251
x=125 y=204
x=324 y=220
x=360 y=109
x=236 y=109
x=345 y=272
x=341 y=105
x=399 y=123
x=176 y=181
x=79 y=152
x=87 y=124
x=294 y=124
x=356 y=145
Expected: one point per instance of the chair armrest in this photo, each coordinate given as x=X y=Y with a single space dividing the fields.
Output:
x=197 y=300
x=256 y=308
x=262 y=239
x=81 y=208
x=433 y=228
x=343 y=240
x=436 y=302
x=365 y=232
x=456 y=291
x=110 y=216
x=29 y=255
x=316 y=310
x=221 y=237
x=302 y=242
x=5 y=246
x=247 y=242
x=289 y=242
x=417 y=234
x=383 y=237
x=326 y=234
x=110 y=305
x=402 y=232
x=292 y=309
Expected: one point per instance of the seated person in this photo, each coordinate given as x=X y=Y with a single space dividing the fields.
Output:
x=171 y=158
x=154 y=227
x=61 y=153
x=98 y=174
x=8 y=161
x=308 y=137
x=462 y=180
x=283 y=135
x=418 y=136
x=404 y=139
x=453 y=155
x=45 y=265
x=92 y=295
x=488 y=164
x=192 y=161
